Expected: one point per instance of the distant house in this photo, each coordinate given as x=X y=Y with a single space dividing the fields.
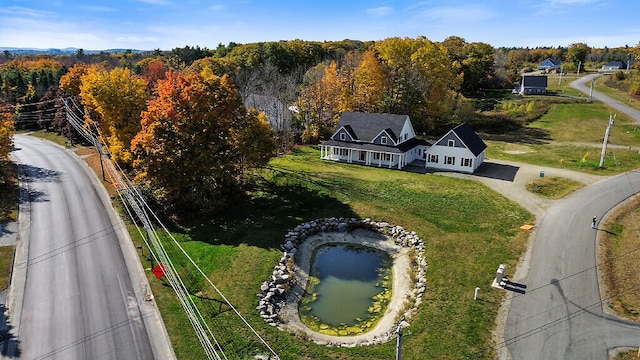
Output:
x=389 y=140
x=533 y=84
x=615 y=65
x=374 y=139
x=550 y=64
x=277 y=113
x=461 y=150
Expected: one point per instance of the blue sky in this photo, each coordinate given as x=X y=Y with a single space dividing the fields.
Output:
x=166 y=24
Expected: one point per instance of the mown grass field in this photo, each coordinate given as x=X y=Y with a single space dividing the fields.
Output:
x=468 y=230
x=463 y=251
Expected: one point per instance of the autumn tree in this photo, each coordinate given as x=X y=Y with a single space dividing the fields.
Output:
x=71 y=81
x=118 y=97
x=369 y=84
x=197 y=143
x=421 y=81
x=577 y=54
x=6 y=134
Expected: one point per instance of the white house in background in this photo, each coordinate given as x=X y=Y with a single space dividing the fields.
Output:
x=374 y=139
x=615 y=65
x=388 y=140
x=533 y=85
x=550 y=64
x=460 y=150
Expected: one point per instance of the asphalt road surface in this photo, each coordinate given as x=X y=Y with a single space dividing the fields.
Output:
x=74 y=297
x=561 y=315
x=583 y=84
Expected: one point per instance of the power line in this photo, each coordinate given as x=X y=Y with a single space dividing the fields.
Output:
x=143 y=216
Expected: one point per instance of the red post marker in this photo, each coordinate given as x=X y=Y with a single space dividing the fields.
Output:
x=159 y=271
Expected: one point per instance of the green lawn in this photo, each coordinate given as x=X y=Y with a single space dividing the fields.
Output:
x=568 y=134
x=463 y=251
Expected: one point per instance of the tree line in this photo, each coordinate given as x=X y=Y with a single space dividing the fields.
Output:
x=178 y=119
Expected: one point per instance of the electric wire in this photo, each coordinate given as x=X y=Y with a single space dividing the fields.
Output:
x=135 y=204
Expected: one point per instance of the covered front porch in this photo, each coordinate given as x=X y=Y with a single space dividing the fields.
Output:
x=363 y=156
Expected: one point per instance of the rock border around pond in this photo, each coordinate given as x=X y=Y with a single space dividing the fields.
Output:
x=284 y=289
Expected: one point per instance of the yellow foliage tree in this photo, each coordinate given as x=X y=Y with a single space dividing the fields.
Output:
x=6 y=132
x=369 y=86
x=119 y=97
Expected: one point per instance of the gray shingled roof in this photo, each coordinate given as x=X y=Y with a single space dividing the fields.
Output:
x=535 y=81
x=469 y=137
x=366 y=126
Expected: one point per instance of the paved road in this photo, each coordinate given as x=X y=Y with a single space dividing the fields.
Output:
x=73 y=296
x=581 y=85
x=561 y=315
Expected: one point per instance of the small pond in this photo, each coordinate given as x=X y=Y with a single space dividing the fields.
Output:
x=348 y=290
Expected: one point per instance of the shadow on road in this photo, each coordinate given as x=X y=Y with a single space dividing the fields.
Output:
x=8 y=342
x=514 y=286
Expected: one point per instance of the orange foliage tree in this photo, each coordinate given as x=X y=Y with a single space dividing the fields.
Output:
x=197 y=142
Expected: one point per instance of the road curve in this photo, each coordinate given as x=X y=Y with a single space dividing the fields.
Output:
x=561 y=314
x=580 y=85
x=77 y=292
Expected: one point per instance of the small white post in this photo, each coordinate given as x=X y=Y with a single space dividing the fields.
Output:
x=500 y=274
x=475 y=295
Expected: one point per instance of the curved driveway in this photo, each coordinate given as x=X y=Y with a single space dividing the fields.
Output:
x=561 y=315
x=72 y=295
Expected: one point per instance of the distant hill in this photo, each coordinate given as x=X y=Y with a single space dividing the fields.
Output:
x=66 y=51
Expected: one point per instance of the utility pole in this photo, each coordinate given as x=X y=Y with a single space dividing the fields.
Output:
x=399 y=341
x=606 y=138
x=99 y=148
x=560 y=77
x=579 y=66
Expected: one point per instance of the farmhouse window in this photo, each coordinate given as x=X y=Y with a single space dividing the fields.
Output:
x=466 y=162
x=383 y=140
x=449 y=160
x=451 y=143
x=343 y=136
x=433 y=158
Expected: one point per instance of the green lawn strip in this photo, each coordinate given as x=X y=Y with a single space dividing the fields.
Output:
x=6 y=260
x=553 y=187
x=468 y=230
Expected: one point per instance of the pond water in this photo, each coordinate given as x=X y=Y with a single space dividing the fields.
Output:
x=344 y=283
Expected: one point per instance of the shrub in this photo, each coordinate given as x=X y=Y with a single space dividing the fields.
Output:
x=634 y=89
x=619 y=75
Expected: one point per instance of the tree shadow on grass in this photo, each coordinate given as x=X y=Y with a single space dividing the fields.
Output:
x=524 y=135
x=269 y=210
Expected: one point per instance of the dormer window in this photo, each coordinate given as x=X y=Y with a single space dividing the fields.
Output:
x=343 y=137
x=383 y=140
x=451 y=143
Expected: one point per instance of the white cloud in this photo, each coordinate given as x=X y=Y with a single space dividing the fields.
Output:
x=380 y=11
x=20 y=11
x=569 y=2
x=96 y=8
x=156 y=2
x=465 y=15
